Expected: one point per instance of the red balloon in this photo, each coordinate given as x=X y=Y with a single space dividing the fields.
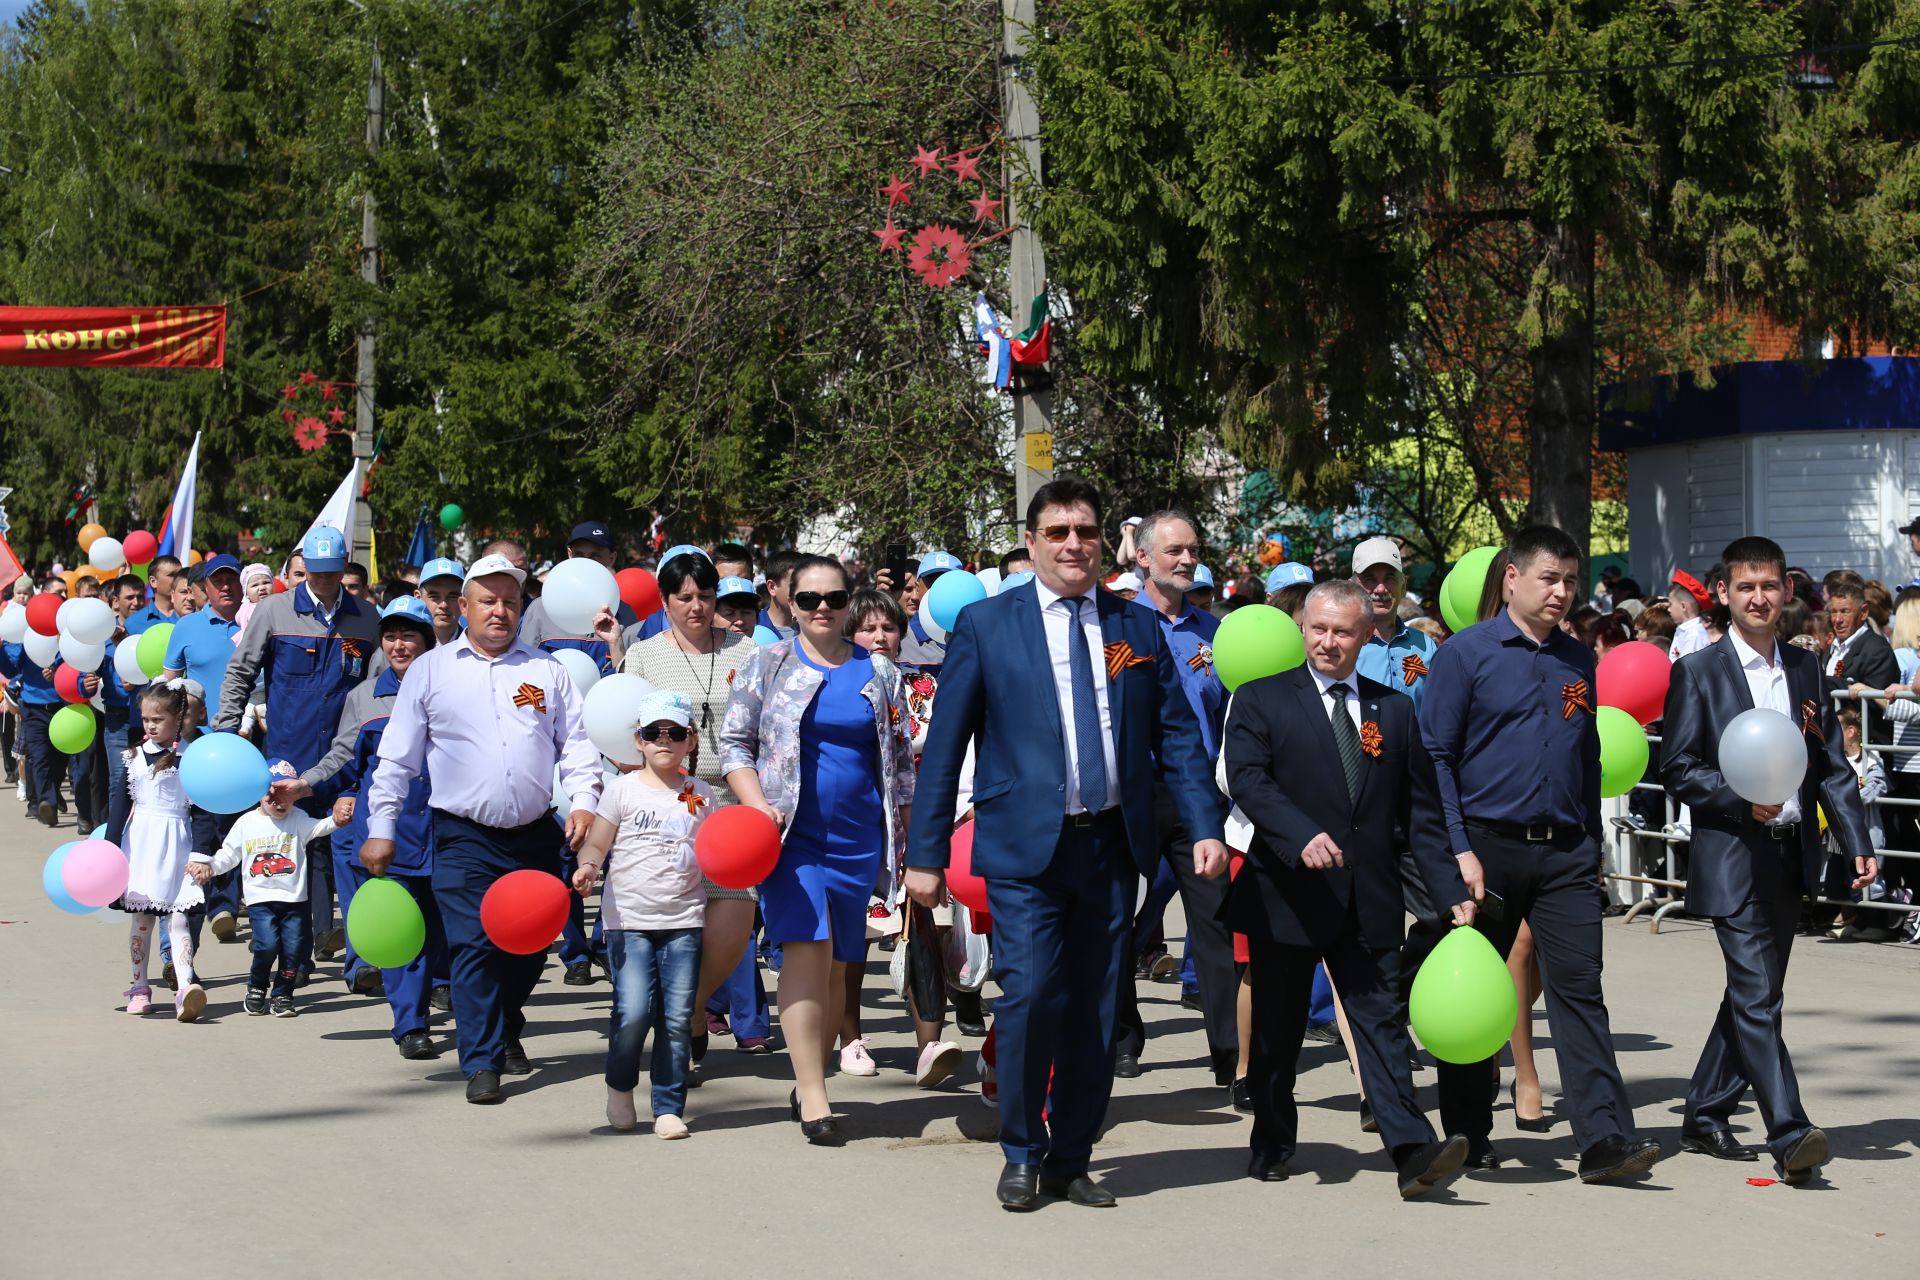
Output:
x=66 y=682
x=278 y=586
x=1633 y=677
x=737 y=847
x=141 y=547
x=968 y=889
x=639 y=591
x=42 y=611
x=523 y=911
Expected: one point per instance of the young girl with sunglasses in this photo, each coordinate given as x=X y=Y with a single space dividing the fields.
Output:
x=654 y=905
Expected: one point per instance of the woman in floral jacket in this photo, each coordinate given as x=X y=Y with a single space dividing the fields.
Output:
x=816 y=736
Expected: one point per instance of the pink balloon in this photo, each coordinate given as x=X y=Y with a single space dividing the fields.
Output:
x=95 y=872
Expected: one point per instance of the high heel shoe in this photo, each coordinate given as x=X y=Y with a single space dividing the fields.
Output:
x=824 y=1132
x=1539 y=1125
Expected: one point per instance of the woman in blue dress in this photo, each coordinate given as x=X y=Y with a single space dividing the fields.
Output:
x=817 y=737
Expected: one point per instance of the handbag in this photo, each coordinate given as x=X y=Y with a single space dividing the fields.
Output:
x=968 y=956
x=916 y=967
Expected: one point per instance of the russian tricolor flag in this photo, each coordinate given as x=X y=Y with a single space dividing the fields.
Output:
x=176 y=527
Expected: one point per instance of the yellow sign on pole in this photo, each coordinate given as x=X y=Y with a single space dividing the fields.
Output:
x=1040 y=450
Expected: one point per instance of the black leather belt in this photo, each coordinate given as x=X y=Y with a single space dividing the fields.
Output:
x=1531 y=832
x=1085 y=819
x=1789 y=832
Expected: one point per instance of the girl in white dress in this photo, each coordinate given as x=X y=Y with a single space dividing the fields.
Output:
x=150 y=825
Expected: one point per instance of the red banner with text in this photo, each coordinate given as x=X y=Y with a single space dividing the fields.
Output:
x=114 y=337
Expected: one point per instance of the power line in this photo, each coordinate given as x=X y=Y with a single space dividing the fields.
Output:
x=1632 y=68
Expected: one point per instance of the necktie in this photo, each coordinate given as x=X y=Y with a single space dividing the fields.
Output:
x=1089 y=748
x=1347 y=738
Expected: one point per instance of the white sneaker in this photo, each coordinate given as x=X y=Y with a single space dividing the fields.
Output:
x=620 y=1113
x=856 y=1061
x=669 y=1127
x=937 y=1061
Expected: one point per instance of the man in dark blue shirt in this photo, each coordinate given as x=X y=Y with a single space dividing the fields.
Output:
x=1509 y=720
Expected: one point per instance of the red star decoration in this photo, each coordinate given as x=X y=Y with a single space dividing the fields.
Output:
x=896 y=192
x=984 y=208
x=336 y=416
x=927 y=162
x=329 y=390
x=308 y=378
x=889 y=237
x=290 y=391
x=966 y=167
x=940 y=255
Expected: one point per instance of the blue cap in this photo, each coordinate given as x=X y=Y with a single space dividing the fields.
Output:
x=592 y=531
x=684 y=549
x=408 y=609
x=936 y=562
x=1285 y=575
x=442 y=568
x=325 y=549
x=734 y=587
x=1013 y=580
x=1202 y=576
x=663 y=704
x=214 y=564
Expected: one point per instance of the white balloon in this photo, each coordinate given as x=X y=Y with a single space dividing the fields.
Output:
x=78 y=654
x=581 y=666
x=1763 y=756
x=106 y=554
x=992 y=578
x=41 y=650
x=126 y=663
x=612 y=706
x=13 y=623
x=88 y=619
x=934 y=630
x=575 y=590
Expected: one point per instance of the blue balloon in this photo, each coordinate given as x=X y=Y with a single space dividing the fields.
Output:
x=951 y=592
x=98 y=833
x=764 y=634
x=56 y=888
x=223 y=773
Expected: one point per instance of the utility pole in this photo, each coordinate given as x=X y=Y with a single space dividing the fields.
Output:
x=369 y=272
x=1032 y=406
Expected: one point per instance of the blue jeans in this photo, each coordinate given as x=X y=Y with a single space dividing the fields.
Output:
x=654 y=973
x=279 y=933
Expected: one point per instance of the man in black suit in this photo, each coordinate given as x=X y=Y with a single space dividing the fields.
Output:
x=1860 y=656
x=1751 y=862
x=1324 y=762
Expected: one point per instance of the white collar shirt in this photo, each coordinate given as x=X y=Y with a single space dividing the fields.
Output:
x=1055 y=619
x=1326 y=682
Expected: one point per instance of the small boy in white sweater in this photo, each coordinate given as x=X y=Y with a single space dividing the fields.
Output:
x=270 y=845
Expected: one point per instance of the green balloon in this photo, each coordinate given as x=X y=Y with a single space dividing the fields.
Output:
x=152 y=653
x=452 y=517
x=71 y=729
x=1461 y=590
x=385 y=925
x=1463 y=1004
x=1256 y=641
x=1623 y=752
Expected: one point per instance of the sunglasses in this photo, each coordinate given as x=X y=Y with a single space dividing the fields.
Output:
x=811 y=600
x=1058 y=532
x=672 y=732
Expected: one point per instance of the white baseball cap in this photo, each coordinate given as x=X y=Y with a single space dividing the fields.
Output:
x=1125 y=582
x=1377 y=551
x=497 y=563
x=661 y=704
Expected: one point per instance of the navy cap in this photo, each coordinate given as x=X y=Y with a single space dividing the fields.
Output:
x=734 y=587
x=592 y=531
x=936 y=562
x=215 y=564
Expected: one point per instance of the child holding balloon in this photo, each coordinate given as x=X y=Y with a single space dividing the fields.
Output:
x=654 y=906
x=148 y=820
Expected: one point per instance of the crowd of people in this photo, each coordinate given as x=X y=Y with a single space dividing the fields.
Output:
x=423 y=730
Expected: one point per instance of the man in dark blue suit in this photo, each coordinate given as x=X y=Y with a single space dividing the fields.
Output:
x=1751 y=862
x=1069 y=694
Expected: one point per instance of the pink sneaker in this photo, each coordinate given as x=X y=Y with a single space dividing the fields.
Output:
x=856 y=1061
x=139 y=1000
x=937 y=1061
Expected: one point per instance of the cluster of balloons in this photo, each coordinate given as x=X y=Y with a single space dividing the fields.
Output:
x=82 y=876
x=69 y=637
x=1461 y=589
x=108 y=556
x=1631 y=689
x=951 y=592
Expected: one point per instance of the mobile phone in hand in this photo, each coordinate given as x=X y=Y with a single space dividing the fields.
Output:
x=897 y=564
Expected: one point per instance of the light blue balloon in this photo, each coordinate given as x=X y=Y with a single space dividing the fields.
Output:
x=98 y=833
x=56 y=888
x=951 y=592
x=764 y=634
x=223 y=773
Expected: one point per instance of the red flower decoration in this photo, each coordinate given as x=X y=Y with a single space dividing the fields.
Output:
x=940 y=255
x=310 y=434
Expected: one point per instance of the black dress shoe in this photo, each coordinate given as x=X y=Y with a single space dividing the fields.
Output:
x=516 y=1063
x=1262 y=1167
x=417 y=1045
x=369 y=982
x=1481 y=1156
x=1190 y=1000
x=1125 y=1066
x=1367 y=1123
x=48 y=816
x=1720 y=1144
x=1617 y=1159
x=441 y=999
x=484 y=1087
x=1427 y=1166
x=969 y=1013
x=1323 y=1033
x=1019 y=1188
x=1079 y=1189
x=700 y=1042
x=579 y=974
x=1808 y=1152
x=1242 y=1097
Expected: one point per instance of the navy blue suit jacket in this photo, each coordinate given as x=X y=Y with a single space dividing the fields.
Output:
x=996 y=691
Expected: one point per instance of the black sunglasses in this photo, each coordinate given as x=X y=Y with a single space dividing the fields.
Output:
x=674 y=732
x=811 y=600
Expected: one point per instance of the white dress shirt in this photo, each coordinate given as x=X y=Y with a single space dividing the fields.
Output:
x=1326 y=682
x=1055 y=619
x=1768 y=684
x=488 y=732
x=1689 y=637
x=1838 y=653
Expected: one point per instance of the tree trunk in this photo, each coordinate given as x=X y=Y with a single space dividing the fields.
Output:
x=1561 y=415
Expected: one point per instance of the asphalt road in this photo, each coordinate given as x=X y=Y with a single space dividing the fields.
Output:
x=308 y=1147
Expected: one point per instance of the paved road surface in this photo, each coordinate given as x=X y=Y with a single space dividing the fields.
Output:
x=308 y=1147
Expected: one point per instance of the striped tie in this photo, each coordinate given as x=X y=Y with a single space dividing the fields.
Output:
x=1347 y=738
